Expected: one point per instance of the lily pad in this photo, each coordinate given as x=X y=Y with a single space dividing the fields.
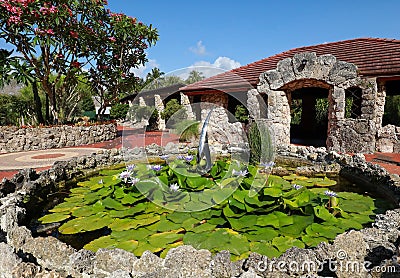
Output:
x=326 y=182
x=54 y=217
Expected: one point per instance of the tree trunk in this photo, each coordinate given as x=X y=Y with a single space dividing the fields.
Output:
x=53 y=106
x=38 y=103
x=47 y=109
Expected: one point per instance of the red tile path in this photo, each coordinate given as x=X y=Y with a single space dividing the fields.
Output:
x=127 y=137
x=390 y=161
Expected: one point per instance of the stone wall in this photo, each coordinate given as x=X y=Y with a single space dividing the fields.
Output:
x=220 y=131
x=388 y=139
x=14 y=139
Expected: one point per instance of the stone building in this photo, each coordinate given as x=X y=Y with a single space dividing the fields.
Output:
x=332 y=95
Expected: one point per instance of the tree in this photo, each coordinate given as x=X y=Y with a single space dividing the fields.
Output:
x=194 y=76
x=59 y=38
x=124 y=50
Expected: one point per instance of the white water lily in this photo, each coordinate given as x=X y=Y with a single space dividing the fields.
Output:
x=241 y=173
x=125 y=176
x=174 y=187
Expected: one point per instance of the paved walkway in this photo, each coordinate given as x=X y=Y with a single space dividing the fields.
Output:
x=10 y=163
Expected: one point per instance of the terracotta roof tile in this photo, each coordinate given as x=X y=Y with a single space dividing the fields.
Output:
x=372 y=56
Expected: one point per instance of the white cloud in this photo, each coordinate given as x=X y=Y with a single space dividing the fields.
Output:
x=208 y=69
x=142 y=71
x=200 y=49
x=226 y=63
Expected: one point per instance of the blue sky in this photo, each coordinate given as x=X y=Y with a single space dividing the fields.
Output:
x=200 y=32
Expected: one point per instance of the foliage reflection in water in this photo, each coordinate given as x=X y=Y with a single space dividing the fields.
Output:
x=156 y=207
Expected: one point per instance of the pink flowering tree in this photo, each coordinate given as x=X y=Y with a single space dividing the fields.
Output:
x=120 y=50
x=62 y=39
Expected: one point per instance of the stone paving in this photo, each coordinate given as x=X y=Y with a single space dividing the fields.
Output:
x=10 y=163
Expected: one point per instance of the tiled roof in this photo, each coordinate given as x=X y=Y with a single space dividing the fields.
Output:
x=163 y=92
x=372 y=56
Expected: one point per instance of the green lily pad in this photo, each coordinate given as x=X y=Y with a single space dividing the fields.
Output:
x=265 y=249
x=54 y=217
x=84 y=211
x=129 y=245
x=162 y=239
x=294 y=177
x=101 y=242
x=326 y=182
x=313 y=241
x=262 y=234
x=283 y=243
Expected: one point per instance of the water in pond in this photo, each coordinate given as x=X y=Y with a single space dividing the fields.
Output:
x=234 y=207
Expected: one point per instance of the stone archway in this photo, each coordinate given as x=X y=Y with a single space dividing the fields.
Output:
x=305 y=70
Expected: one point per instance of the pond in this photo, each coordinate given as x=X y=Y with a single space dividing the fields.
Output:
x=236 y=207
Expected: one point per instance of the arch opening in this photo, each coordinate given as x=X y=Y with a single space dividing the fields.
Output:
x=309 y=116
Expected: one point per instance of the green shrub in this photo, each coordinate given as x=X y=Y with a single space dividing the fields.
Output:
x=260 y=142
x=187 y=129
x=392 y=111
x=153 y=120
x=119 y=111
x=137 y=112
x=241 y=114
x=173 y=113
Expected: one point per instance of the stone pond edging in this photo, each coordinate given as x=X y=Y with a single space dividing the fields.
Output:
x=23 y=255
x=15 y=139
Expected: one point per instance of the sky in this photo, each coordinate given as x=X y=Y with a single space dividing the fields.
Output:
x=229 y=34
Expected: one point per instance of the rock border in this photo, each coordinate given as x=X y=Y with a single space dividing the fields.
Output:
x=26 y=256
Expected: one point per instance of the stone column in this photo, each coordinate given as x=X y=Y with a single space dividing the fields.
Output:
x=380 y=105
x=142 y=102
x=188 y=108
x=253 y=105
x=279 y=117
x=144 y=122
x=160 y=108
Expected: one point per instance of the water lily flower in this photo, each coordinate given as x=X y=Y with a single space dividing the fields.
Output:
x=188 y=158
x=101 y=181
x=267 y=165
x=174 y=187
x=125 y=176
x=241 y=173
x=297 y=186
x=156 y=167
x=330 y=193
x=164 y=156
x=134 y=181
x=131 y=167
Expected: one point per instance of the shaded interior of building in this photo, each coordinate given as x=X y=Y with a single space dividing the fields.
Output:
x=309 y=116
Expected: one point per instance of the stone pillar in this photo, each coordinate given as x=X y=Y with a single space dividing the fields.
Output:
x=142 y=102
x=160 y=108
x=336 y=113
x=188 y=108
x=279 y=117
x=253 y=105
x=380 y=105
x=143 y=122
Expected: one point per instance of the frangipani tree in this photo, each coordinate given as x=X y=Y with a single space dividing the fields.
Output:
x=120 y=49
x=62 y=37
